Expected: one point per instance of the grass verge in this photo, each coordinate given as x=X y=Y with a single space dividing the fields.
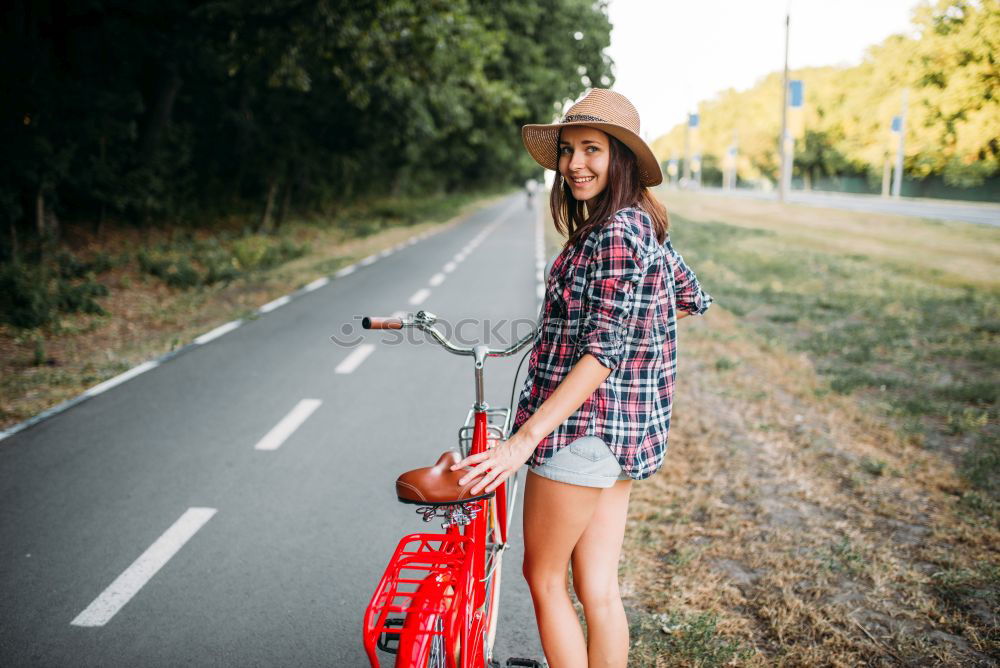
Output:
x=829 y=494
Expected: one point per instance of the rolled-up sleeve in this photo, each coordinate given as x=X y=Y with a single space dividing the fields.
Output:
x=687 y=291
x=613 y=274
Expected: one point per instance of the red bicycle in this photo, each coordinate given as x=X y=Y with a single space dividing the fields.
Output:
x=437 y=604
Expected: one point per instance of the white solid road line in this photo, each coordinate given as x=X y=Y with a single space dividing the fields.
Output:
x=128 y=584
x=281 y=431
x=437 y=279
x=352 y=361
x=419 y=296
x=539 y=258
x=218 y=331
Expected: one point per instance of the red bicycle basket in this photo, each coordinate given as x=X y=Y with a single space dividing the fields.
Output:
x=423 y=568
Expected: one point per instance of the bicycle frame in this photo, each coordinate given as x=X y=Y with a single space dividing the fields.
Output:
x=445 y=585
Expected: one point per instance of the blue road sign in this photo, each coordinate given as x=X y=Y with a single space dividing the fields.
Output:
x=897 y=124
x=795 y=87
x=693 y=120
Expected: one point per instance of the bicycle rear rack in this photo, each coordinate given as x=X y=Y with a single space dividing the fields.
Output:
x=497 y=427
x=416 y=581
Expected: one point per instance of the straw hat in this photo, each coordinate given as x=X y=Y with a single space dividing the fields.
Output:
x=602 y=109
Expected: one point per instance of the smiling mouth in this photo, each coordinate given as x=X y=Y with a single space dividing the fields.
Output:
x=583 y=180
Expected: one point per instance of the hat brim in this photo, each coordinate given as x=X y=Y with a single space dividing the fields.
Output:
x=541 y=142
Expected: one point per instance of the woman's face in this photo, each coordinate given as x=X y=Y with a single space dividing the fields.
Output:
x=584 y=155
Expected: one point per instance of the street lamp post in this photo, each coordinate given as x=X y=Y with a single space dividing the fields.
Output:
x=786 y=168
x=687 y=153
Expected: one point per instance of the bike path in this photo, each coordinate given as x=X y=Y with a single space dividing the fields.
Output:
x=281 y=573
x=981 y=213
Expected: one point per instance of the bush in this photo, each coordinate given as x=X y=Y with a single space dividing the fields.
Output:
x=80 y=298
x=25 y=300
x=207 y=262
x=31 y=297
x=71 y=266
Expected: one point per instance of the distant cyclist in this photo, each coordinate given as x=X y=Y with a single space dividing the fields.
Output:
x=595 y=407
x=530 y=188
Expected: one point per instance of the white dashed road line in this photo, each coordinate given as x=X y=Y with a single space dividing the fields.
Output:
x=349 y=269
x=352 y=361
x=281 y=431
x=266 y=308
x=121 y=378
x=270 y=306
x=419 y=296
x=437 y=279
x=317 y=284
x=218 y=331
x=133 y=578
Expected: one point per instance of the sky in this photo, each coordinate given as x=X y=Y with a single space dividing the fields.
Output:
x=671 y=54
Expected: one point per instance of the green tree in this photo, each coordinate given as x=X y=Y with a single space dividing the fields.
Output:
x=949 y=66
x=187 y=109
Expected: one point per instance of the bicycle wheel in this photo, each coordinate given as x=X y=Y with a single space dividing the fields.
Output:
x=496 y=568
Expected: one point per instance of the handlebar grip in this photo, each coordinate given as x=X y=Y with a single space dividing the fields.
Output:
x=381 y=323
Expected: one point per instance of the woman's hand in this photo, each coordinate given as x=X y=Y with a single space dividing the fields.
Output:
x=498 y=463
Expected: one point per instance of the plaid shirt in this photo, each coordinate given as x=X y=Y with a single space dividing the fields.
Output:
x=614 y=296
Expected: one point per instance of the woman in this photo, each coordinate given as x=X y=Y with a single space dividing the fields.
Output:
x=595 y=409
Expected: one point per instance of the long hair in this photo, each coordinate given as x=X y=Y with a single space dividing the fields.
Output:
x=624 y=190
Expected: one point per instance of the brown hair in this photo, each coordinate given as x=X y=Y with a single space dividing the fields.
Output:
x=623 y=190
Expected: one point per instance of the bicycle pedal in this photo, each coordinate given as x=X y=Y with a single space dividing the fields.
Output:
x=524 y=663
x=389 y=642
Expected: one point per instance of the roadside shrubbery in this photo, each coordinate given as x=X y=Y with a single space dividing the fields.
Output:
x=33 y=296
x=199 y=263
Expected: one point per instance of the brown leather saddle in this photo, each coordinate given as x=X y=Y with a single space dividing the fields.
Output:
x=437 y=485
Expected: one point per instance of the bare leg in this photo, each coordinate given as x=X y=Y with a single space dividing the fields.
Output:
x=555 y=516
x=595 y=579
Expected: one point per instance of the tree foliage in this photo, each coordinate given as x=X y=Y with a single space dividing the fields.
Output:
x=950 y=65
x=154 y=111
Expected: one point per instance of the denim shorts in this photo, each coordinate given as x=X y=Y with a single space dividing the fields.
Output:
x=587 y=461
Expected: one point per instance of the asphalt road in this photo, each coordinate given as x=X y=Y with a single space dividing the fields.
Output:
x=983 y=213
x=277 y=568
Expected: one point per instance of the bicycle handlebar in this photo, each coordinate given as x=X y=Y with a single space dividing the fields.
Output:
x=381 y=323
x=424 y=321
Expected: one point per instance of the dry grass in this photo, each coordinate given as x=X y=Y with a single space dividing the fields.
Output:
x=948 y=251
x=793 y=524
x=147 y=318
x=813 y=532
